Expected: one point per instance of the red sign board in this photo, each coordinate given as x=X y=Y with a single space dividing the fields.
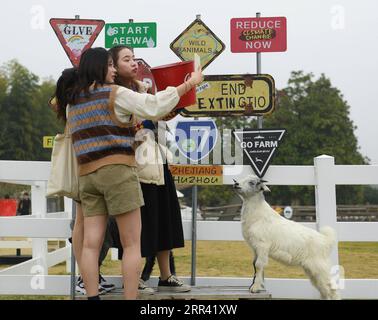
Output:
x=266 y=34
x=76 y=35
x=145 y=75
x=8 y=207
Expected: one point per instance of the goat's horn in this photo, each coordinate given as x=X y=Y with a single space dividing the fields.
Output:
x=234 y=180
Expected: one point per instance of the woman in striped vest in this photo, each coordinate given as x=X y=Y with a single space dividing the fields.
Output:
x=100 y=118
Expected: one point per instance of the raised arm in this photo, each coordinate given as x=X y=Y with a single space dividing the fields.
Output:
x=153 y=107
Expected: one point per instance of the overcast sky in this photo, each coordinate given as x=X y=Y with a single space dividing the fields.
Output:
x=338 y=38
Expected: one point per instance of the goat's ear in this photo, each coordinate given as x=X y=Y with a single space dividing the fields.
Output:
x=265 y=188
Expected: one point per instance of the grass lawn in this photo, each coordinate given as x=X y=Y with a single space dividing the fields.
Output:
x=234 y=259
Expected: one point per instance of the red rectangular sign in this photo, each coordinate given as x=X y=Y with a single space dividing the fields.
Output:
x=266 y=34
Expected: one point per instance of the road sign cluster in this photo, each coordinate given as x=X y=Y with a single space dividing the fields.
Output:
x=217 y=95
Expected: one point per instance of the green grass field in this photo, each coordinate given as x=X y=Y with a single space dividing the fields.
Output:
x=234 y=259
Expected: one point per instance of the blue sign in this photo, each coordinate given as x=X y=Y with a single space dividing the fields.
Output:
x=196 y=139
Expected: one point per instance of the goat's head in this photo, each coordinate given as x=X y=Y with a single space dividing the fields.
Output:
x=250 y=186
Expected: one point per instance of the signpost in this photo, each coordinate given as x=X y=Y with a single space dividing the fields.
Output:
x=76 y=35
x=133 y=34
x=259 y=146
x=224 y=95
x=258 y=35
x=198 y=38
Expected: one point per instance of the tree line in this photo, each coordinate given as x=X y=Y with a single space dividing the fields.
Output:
x=25 y=117
x=317 y=120
x=313 y=112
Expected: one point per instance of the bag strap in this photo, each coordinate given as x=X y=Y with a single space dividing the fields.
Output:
x=66 y=130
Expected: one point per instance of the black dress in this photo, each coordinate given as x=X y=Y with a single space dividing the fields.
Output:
x=161 y=217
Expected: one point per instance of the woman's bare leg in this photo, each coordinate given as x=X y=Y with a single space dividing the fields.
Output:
x=94 y=232
x=78 y=234
x=129 y=226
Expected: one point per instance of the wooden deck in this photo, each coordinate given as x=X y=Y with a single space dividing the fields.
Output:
x=197 y=293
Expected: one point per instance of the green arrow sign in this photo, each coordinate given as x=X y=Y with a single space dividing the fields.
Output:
x=134 y=34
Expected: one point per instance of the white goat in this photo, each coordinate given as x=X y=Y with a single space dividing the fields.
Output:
x=270 y=235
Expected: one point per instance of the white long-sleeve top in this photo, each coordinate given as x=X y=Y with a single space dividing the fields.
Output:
x=144 y=105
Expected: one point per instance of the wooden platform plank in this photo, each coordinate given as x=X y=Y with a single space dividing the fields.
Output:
x=197 y=293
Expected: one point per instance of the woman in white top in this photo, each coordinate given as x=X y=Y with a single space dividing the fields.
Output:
x=161 y=215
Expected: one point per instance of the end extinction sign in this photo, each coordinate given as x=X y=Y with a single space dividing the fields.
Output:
x=133 y=34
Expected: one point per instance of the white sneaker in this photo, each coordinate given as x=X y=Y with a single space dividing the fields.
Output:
x=106 y=285
x=173 y=284
x=144 y=289
x=81 y=289
x=80 y=286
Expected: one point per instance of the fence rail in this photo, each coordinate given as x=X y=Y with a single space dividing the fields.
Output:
x=32 y=277
x=300 y=213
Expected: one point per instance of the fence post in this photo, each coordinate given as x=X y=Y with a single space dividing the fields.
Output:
x=68 y=209
x=325 y=191
x=39 y=245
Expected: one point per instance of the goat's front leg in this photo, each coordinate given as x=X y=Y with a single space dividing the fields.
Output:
x=260 y=261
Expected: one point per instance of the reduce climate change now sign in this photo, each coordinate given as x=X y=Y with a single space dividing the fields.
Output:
x=267 y=34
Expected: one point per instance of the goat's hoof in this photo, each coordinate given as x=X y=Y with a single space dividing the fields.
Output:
x=256 y=288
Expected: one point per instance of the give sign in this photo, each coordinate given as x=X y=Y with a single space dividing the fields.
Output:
x=266 y=34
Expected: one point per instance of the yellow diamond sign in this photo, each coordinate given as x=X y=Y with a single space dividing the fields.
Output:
x=197 y=38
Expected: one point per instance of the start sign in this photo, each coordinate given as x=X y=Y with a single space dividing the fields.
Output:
x=224 y=95
x=266 y=34
x=133 y=34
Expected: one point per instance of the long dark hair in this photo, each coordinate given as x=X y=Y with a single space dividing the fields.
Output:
x=114 y=52
x=93 y=68
x=63 y=91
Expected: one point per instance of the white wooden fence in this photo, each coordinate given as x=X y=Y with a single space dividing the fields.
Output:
x=32 y=277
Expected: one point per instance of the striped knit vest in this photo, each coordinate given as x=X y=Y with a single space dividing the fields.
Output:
x=98 y=137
